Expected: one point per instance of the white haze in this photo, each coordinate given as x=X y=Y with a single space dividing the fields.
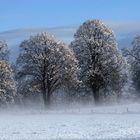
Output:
x=76 y=122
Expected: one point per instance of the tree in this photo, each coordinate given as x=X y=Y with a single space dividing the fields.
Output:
x=135 y=63
x=45 y=65
x=100 y=61
x=4 y=52
x=7 y=84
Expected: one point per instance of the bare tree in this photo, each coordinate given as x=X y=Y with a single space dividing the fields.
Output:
x=135 y=63
x=4 y=52
x=100 y=61
x=45 y=65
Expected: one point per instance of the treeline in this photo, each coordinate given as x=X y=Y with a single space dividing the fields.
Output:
x=90 y=66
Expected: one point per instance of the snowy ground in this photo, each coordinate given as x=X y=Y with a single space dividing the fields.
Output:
x=100 y=123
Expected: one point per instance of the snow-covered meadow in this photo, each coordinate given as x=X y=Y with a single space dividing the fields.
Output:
x=97 y=123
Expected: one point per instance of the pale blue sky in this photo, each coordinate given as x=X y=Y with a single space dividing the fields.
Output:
x=54 y=13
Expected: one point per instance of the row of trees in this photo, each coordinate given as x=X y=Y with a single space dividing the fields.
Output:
x=91 y=62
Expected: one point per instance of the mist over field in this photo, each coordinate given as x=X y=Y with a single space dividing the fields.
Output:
x=80 y=122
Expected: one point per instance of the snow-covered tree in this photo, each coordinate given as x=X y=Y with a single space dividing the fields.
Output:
x=135 y=63
x=4 y=53
x=45 y=65
x=7 y=84
x=100 y=61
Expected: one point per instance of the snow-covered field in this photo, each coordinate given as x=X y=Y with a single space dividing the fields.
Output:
x=100 y=123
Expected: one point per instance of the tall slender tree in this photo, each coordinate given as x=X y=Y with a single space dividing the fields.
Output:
x=4 y=52
x=7 y=83
x=135 y=63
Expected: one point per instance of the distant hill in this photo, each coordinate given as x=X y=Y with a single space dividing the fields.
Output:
x=14 y=37
x=125 y=40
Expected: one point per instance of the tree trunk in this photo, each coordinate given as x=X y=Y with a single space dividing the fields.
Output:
x=46 y=99
x=118 y=97
x=46 y=86
x=96 y=95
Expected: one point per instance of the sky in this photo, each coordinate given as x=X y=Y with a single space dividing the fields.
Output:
x=17 y=14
